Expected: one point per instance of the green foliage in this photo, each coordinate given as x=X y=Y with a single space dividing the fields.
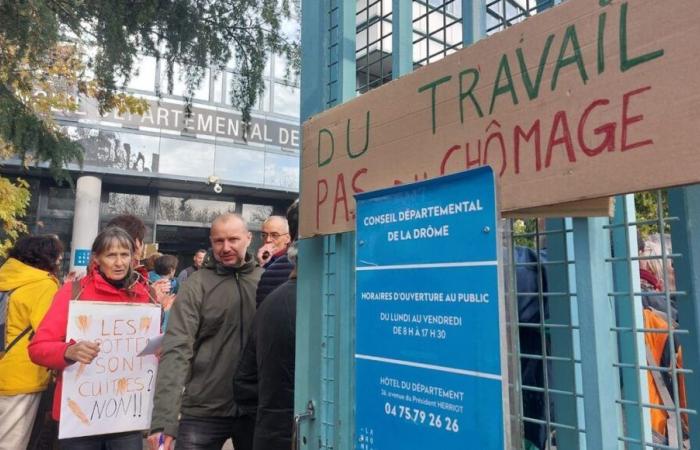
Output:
x=524 y=232
x=194 y=34
x=650 y=206
x=14 y=199
x=52 y=51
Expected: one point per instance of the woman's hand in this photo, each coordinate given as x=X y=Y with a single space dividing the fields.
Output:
x=161 y=288
x=83 y=352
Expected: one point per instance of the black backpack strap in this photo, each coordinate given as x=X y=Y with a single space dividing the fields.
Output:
x=18 y=337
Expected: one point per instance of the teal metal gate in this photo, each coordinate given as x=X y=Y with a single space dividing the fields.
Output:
x=585 y=333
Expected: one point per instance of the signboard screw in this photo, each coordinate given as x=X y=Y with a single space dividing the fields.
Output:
x=361 y=243
x=486 y=230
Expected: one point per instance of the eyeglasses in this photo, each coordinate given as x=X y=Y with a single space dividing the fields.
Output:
x=273 y=235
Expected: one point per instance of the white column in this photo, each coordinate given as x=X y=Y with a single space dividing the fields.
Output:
x=86 y=221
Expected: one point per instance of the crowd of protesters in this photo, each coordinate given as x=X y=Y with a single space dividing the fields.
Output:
x=217 y=378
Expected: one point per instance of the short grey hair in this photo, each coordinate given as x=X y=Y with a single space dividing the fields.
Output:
x=225 y=217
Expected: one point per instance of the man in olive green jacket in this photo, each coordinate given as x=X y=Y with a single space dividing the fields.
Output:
x=206 y=333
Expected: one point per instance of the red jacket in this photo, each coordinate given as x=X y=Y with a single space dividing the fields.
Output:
x=49 y=344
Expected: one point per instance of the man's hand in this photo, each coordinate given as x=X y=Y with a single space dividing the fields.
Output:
x=83 y=352
x=265 y=253
x=154 y=442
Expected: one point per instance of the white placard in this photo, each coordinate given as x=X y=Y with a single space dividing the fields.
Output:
x=115 y=392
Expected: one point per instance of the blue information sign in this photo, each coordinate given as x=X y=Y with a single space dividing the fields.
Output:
x=81 y=257
x=428 y=353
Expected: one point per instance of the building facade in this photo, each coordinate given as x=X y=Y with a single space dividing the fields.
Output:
x=173 y=170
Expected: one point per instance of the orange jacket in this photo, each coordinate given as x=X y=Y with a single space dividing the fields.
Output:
x=656 y=342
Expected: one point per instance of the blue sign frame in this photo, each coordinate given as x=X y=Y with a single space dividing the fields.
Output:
x=428 y=335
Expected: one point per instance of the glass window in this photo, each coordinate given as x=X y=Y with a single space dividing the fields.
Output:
x=437 y=29
x=282 y=171
x=218 y=87
x=286 y=100
x=186 y=158
x=187 y=209
x=280 y=66
x=237 y=164
x=201 y=92
x=267 y=71
x=61 y=199
x=121 y=203
x=61 y=227
x=117 y=150
x=143 y=76
x=255 y=215
x=291 y=28
x=373 y=50
x=264 y=99
x=228 y=88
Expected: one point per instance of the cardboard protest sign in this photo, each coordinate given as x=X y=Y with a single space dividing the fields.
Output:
x=115 y=392
x=590 y=99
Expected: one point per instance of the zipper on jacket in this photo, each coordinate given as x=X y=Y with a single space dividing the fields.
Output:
x=240 y=300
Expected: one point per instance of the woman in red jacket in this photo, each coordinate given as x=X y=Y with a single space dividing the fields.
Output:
x=110 y=278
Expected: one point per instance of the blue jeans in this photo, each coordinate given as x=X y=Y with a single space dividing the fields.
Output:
x=132 y=440
x=210 y=433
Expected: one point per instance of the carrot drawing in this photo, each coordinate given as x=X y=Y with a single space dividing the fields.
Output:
x=83 y=323
x=122 y=385
x=75 y=409
x=145 y=323
x=81 y=369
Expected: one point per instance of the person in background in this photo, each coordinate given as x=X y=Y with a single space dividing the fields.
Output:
x=657 y=281
x=206 y=334
x=149 y=264
x=279 y=267
x=165 y=268
x=276 y=239
x=111 y=278
x=197 y=261
x=264 y=380
x=30 y=277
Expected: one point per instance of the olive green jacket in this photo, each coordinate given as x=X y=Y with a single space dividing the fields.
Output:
x=208 y=325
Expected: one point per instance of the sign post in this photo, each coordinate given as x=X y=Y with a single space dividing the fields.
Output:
x=115 y=392
x=430 y=329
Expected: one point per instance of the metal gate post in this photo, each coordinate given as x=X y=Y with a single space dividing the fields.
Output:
x=684 y=203
x=308 y=334
x=596 y=318
x=402 y=38
x=345 y=341
x=563 y=375
x=628 y=311
x=473 y=21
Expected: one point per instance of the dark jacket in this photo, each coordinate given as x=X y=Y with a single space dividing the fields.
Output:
x=275 y=274
x=209 y=322
x=529 y=283
x=185 y=274
x=264 y=382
